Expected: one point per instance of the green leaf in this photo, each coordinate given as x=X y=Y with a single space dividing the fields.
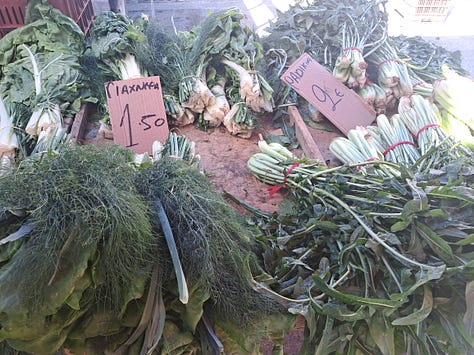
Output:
x=436 y=243
x=342 y=312
x=382 y=333
x=354 y=300
x=468 y=318
x=468 y=240
x=462 y=193
x=419 y=315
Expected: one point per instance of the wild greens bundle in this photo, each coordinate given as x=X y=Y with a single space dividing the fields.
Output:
x=375 y=263
x=212 y=71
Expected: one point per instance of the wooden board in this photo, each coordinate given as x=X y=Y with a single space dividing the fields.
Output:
x=137 y=113
x=339 y=104
x=304 y=137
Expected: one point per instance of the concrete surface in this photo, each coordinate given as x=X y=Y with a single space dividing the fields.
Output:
x=453 y=32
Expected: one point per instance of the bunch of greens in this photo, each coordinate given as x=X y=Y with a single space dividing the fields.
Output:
x=376 y=97
x=392 y=71
x=375 y=264
x=84 y=230
x=337 y=34
x=113 y=40
x=414 y=138
x=212 y=72
x=110 y=53
x=126 y=258
x=40 y=74
x=427 y=58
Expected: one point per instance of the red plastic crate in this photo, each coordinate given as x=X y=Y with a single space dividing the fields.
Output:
x=12 y=13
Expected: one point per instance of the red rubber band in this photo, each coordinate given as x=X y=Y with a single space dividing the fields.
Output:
x=386 y=61
x=418 y=84
x=396 y=145
x=352 y=48
x=274 y=189
x=426 y=127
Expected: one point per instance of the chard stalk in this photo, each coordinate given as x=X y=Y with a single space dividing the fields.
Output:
x=36 y=72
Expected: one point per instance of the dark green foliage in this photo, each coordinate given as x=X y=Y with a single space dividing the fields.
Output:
x=214 y=246
x=387 y=260
x=82 y=205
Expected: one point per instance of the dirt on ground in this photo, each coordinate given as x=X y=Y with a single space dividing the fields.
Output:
x=224 y=159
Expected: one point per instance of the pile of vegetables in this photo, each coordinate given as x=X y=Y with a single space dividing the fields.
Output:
x=350 y=38
x=127 y=258
x=375 y=263
x=212 y=73
x=41 y=80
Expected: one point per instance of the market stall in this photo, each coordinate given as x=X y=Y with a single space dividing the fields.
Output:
x=211 y=191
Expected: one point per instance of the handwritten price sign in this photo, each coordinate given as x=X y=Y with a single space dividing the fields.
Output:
x=137 y=113
x=341 y=105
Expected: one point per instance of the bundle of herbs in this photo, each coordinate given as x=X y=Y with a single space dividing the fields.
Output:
x=210 y=236
x=75 y=219
x=375 y=264
x=127 y=258
x=216 y=253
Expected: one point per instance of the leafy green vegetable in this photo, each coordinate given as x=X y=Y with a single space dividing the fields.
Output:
x=400 y=251
x=40 y=73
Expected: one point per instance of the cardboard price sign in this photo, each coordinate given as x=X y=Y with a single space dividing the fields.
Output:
x=137 y=113
x=341 y=105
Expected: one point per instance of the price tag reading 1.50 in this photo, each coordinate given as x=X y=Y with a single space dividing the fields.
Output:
x=146 y=122
x=137 y=113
